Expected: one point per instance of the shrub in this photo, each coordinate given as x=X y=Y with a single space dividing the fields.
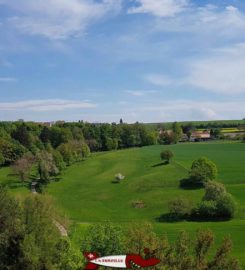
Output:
x=166 y=155
x=203 y=170
x=179 y=207
x=226 y=206
x=138 y=204
x=213 y=190
x=205 y=210
x=216 y=204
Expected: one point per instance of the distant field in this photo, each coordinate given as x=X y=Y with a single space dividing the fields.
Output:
x=201 y=124
x=86 y=192
x=226 y=130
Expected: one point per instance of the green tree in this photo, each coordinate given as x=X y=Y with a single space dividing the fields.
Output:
x=67 y=257
x=58 y=159
x=226 y=206
x=166 y=155
x=11 y=231
x=151 y=139
x=45 y=135
x=22 y=135
x=11 y=151
x=213 y=191
x=77 y=134
x=46 y=166
x=140 y=236
x=203 y=170
x=105 y=239
x=59 y=136
x=205 y=210
x=217 y=203
x=40 y=235
x=111 y=144
x=67 y=153
x=178 y=132
x=85 y=151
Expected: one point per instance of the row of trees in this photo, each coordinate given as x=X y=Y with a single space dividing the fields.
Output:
x=18 y=138
x=51 y=162
x=30 y=240
x=184 y=253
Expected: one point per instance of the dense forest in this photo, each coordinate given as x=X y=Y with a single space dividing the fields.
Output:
x=69 y=139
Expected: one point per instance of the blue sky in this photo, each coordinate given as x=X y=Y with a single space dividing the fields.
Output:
x=140 y=60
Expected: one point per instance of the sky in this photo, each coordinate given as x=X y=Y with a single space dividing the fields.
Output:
x=139 y=60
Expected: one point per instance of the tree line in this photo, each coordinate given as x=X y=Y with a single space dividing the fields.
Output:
x=48 y=150
x=17 y=138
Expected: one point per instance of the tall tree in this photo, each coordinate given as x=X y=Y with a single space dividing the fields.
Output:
x=22 y=135
x=22 y=166
x=46 y=166
x=177 y=130
x=105 y=239
x=11 y=231
x=203 y=170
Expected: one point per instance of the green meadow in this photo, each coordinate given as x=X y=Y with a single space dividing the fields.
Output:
x=86 y=192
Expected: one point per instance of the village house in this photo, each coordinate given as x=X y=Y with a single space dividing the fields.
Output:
x=197 y=136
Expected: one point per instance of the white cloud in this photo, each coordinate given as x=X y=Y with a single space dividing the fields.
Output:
x=208 y=21
x=190 y=110
x=160 y=8
x=221 y=72
x=7 y=79
x=58 y=19
x=158 y=79
x=139 y=93
x=45 y=105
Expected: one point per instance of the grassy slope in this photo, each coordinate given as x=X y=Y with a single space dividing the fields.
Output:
x=86 y=193
x=12 y=182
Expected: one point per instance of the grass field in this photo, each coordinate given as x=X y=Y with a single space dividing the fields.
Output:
x=86 y=192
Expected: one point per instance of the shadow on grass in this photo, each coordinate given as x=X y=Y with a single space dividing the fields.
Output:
x=160 y=164
x=187 y=183
x=208 y=219
x=169 y=218
x=115 y=182
x=56 y=179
